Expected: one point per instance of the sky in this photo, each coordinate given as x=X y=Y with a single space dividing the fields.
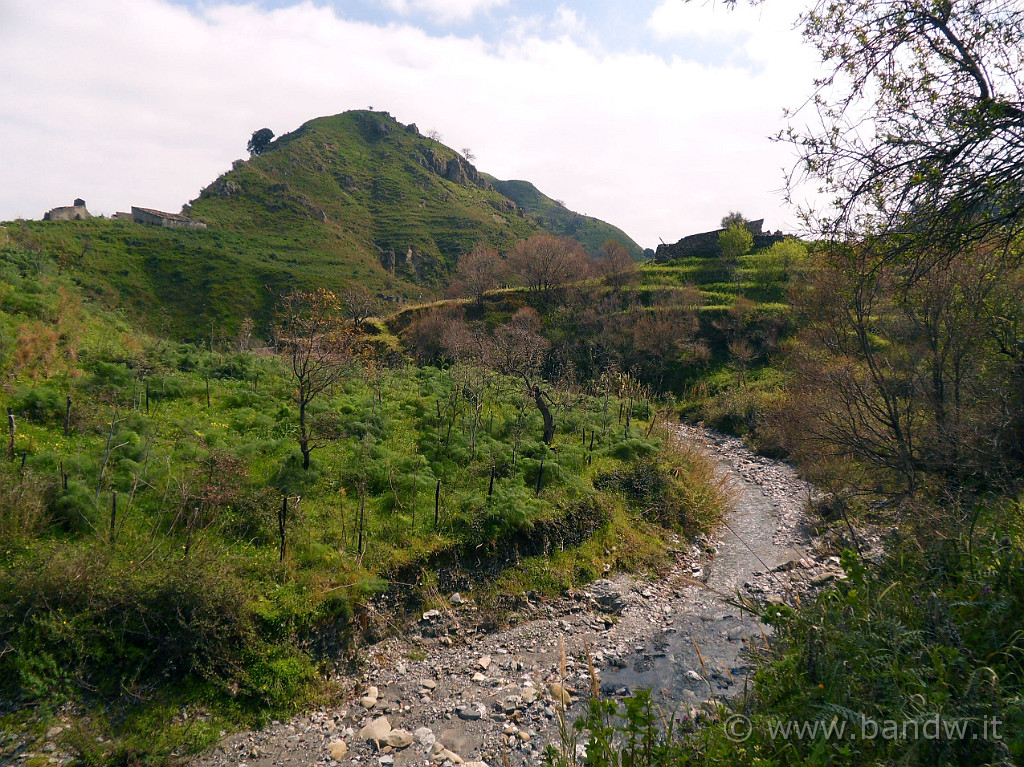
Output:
x=654 y=115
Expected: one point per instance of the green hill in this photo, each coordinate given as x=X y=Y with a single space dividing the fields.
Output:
x=553 y=216
x=353 y=199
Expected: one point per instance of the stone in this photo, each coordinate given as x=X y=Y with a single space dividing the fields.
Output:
x=608 y=596
x=478 y=677
x=367 y=702
x=484 y=662
x=399 y=739
x=456 y=599
x=425 y=737
x=471 y=713
x=428 y=684
x=560 y=693
x=337 y=749
x=524 y=736
x=378 y=729
x=385 y=760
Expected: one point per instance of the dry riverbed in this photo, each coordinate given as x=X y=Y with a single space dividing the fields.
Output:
x=447 y=692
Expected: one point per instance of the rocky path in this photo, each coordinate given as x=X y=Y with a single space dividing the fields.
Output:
x=449 y=693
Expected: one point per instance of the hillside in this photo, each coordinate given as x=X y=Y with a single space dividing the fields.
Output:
x=357 y=199
x=553 y=216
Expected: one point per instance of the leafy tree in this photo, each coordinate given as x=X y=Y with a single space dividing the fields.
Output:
x=904 y=366
x=733 y=217
x=921 y=120
x=735 y=241
x=259 y=141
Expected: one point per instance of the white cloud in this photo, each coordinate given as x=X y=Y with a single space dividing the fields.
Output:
x=443 y=10
x=143 y=102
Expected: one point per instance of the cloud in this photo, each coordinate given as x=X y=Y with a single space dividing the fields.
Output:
x=443 y=10
x=141 y=102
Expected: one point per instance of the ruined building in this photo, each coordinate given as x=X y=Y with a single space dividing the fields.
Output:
x=76 y=212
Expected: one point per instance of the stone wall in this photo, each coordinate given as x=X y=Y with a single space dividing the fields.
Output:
x=152 y=217
x=705 y=244
x=76 y=212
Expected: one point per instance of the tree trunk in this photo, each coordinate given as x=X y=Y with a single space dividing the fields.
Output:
x=545 y=412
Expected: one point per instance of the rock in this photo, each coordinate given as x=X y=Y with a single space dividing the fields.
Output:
x=367 y=702
x=524 y=736
x=529 y=695
x=53 y=732
x=471 y=713
x=484 y=662
x=428 y=684
x=456 y=599
x=385 y=760
x=608 y=596
x=337 y=749
x=478 y=677
x=430 y=615
x=378 y=729
x=425 y=737
x=399 y=739
x=560 y=693
x=735 y=634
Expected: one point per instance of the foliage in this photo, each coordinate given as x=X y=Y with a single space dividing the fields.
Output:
x=148 y=525
x=259 y=141
x=735 y=241
x=939 y=85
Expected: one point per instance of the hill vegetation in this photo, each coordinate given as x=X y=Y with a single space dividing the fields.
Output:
x=353 y=201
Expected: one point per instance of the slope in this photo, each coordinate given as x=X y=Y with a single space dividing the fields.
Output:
x=553 y=216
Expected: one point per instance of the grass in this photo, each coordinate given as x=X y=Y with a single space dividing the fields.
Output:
x=142 y=582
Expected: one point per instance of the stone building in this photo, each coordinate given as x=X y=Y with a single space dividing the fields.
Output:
x=75 y=212
x=159 y=218
x=705 y=244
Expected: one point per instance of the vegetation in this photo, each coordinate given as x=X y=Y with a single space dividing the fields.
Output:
x=188 y=534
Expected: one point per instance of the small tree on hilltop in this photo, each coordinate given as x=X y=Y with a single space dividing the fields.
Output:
x=733 y=217
x=259 y=141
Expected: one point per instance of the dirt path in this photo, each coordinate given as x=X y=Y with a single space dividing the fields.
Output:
x=447 y=693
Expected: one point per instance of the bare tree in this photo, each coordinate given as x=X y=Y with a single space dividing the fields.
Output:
x=519 y=349
x=317 y=347
x=359 y=304
x=481 y=270
x=545 y=261
x=615 y=264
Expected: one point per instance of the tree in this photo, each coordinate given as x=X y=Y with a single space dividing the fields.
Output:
x=359 y=304
x=545 y=261
x=904 y=365
x=317 y=347
x=615 y=263
x=733 y=217
x=481 y=270
x=259 y=141
x=467 y=153
x=921 y=121
x=735 y=241
x=518 y=349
